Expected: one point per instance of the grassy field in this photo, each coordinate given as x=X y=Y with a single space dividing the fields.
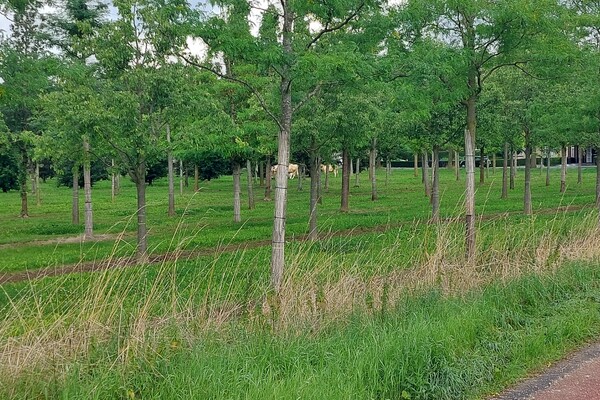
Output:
x=205 y=220
x=382 y=307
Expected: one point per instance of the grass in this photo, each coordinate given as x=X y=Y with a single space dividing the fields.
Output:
x=380 y=313
x=205 y=218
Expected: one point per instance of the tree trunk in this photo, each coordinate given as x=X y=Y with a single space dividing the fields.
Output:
x=528 y=163
x=33 y=182
x=300 y=177
x=505 y=173
x=494 y=164
x=196 y=178
x=181 y=177
x=268 y=180
x=326 y=178
x=547 y=166
x=75 y=202
x=357 y=173
x=171 y=175
x=113 y=181
x=449 y=166
x=388 y=171
x=579 y=164
x=435 y=194
x=482 y=165
x=142 y=231
x=87 y=189
x=315 y=171
x=261 y=174
x=345 y=180
x=283 y=154
x=237 y=205
x=250 y=185
x=456 y=165
x=563 y=169
x=38 y=192
x=513 y=169
x=24 y=210
x=598 y=180
x=416 y=164
x=372 y=161
x=470 y=171
x=426 y=180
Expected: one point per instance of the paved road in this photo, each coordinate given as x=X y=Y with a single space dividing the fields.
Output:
x=575 y=378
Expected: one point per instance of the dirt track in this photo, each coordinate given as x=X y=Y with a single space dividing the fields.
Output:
x=577 y=377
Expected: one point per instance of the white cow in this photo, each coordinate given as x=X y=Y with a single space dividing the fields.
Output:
x=292 y=171
x=329 y=168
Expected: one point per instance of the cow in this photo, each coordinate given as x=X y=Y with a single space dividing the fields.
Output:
x=329 y=168
x=292 y=171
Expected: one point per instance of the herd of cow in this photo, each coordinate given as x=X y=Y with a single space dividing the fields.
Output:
x=293 y=170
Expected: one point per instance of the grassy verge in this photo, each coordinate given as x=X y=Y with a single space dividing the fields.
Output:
x=394 y=314
x=428 y=346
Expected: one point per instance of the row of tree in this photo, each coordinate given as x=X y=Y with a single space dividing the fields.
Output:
x=249 y=81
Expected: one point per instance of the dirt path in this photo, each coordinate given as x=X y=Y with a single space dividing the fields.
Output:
x=100 y=265
x=575 y=378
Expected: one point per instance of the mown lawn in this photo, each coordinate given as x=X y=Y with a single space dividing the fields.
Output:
x=205 y=219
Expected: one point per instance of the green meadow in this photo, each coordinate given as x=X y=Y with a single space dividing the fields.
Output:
x=382 y=306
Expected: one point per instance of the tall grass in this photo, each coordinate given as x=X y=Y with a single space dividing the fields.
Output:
x=396 y=314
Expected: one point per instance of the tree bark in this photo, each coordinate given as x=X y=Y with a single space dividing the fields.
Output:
x=482 y=165
x=494 y=164
x=283 y=154
x=563 y=169
x=579 y=164
x=113 y=181
x=326 y=178
x=300 y=177
x=470 y=171
x=250 y=185
x=196 y=178
x=416 y=164
x=513 y=168
x=261 y=174
x=75 y=202
x=505 y=173
x=356 y=176
x=345 y=180
x=426 y=180
x=142 y=231
x=528 y=163
x=171 y=174
x=388 y=171
x=315 y=173
x=372 y=161
x=237 y=206
x=456 y=165
x=598 y=180
x=450 y=160
x=268 y=180
x=38 y=192
x=435 y=194
x=87 y=189
x=547 y=166
x=181 y=177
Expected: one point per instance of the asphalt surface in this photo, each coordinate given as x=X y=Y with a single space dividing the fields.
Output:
x=575 y=378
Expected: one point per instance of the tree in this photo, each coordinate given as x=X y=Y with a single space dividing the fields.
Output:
x=289 y=56
x=482 y=37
